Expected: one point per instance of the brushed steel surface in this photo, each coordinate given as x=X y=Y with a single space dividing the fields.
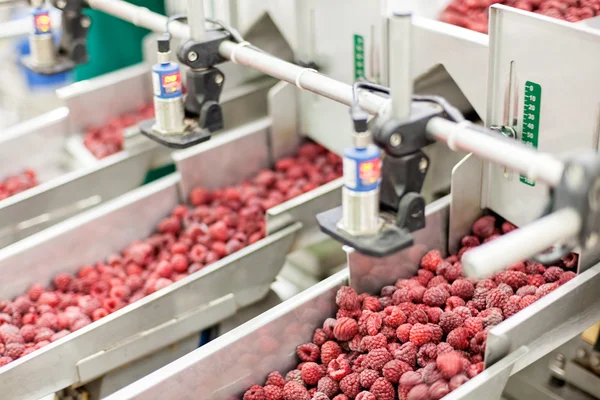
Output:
x=283 y=110
x=370 y=274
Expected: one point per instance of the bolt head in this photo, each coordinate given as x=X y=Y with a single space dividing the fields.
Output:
x=219 y=79
x=192 y=56
x=423 y=164
x=85 y=22
x=395 y=140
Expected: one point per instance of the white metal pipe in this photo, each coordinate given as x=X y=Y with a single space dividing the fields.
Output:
x=501 y=150
x=400 y=61
x=520 y=244
x=304 y=78
x=196 y=19
x=141 y=16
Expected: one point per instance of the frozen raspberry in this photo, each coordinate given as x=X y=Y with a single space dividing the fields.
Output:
x=294 y=375
x=527 y=301
x=99 y=313
x=28 y=333
x=388 y=291
x=496 y=298
x=444 y=347
x=328 y=326
x=403 y=332
x=473 y=325
x=507 y=227
x=431 y=260
x=453 y=302
x=340 y=397
x=450 y=321
x=366 y=396
x=369 y=343
x=477 y=344
x=526 y=290
x=308 y=352
x=347 y=313
x=457 y=381
x=511 y=307
x=435 y=297
x=450 y=364
x=520 y=266
x=319 y=337
x=275 y=378
x=347 y=299
x=373 y=323
x=426 y=354
x=470 y=241
x=515 y=279
x=484 y=227
x=430 y=374
x=424 y=276
x=273 y=392
x=491 y=316
x=418 y=316
x=5 y=360
x=463 y=312
x=367 y=377
x=453 y=272
x=339 y=368
x=80 y=323
x=437 y=281
x=14 y=350
x=49 y=298
x=474 y=370
x=59 y=335
x=535 y=280
x=462 y=288
x=552 y=274
x=438 y=390
x=295 y=391
x=377 y=358
x=407 y=308
x=63 y=282
x=371 y=303
x=22 y=305
x=433 y=314
x=570 y=260
x=436 y=333
x=43 y=334
x=8 y=331
x=420 y=334
x=383 y=390
x=393 y=370
x=345 y=329
x=319 y=396
x=407 y=353
x=311 y=373
x=459 y=338
x=545 y=289
x=328 y=386
x=410 y=379
x=476 y=359
x=35 y=291
x=532 y=268
x=419 y=392
x=395 y=318
x=566 y=277
x=471 y=306
x=350 y=385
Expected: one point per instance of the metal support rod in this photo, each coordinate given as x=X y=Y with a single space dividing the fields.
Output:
x=196 y=19
x=520 y=244
x=400 y=61
x=496 y=148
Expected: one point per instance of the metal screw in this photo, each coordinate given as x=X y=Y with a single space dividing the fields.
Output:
x=85 y=22
x=423 y=164
x=219 y=79
x=575 y=176
x=395 y=140
x=595 y=361
x=192 y=56
x=581 y=354
x=61 y=3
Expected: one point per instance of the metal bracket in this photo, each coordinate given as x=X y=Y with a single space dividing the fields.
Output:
x=204 y=54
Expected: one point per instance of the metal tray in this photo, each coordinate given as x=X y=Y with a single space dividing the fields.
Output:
x=230 y=364
x=67 y=185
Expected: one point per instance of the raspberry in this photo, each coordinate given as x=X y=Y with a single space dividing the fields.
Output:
x=319 y=396
x=273 y=392
x=395 y=318
x=436 y=281
x=369 y=343
x=350 y=386
x=49 y=298
x=436 y=333
x=340 y=397
x=373 y=323
x=410 y=379
x=496 y=298
x=407 y=308
x=388 y=291
x=4 y=360
x=473 y=325
x=419 y=392
x=63 y=282
x=526 y=290
x=80 y=323
x=450 y=364
x=328 y=326
x=470 y=241
x=366 y=396
x=35 y=291
x=552 y=274
x=418 y=316
x=462 y=312
x=383 y=390
x=295 y=391
x=22 y=305
x=371 y=303
x=444 y=347
x=520 y=266
x=453 y=272
x=453 y=302
x=491 y=316
x=28 y=333
x=515 y=279
x=407 y=353
x=431 y=260
x=450 y=321
x=347 y=299
x=8 y=331
x=328 y=386
x=570 y=260
x=532 y=268
x=484 y=227
x=367 y=377
x=424 y=276
x=536 y=280
x=377 y=358
x=545 y=289
x=393 y=370
x=474 y=370
x=433 y=314
x=347 y=313
x=457 y=381
x=345 y=329
x=458 y=338
x=339 y=368
x=99 y=313
x=420 y=334
x=566 y=277
x=430 y=374
x=308 y=352
x=435 y=296
x=511 y=307
x=477 y=344
x=311 y=373
x=320 y=337
x=43 y=334
x=527 y=301
x=275 y=378
x=14 y=350
x=462 y=288
x=426 y=354
x=294 y=375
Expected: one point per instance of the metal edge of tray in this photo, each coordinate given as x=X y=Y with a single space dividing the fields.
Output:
x=185 y=307
x=370 y=274
x=228 y=365
x=36 y=144
x=66 y=195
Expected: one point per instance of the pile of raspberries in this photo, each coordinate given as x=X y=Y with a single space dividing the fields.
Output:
x=17 y=183
x=473 y=14
x=103 y=141
x=419 y=339
x=219 y=222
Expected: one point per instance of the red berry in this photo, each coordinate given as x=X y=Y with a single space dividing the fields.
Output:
x=553 y=274
x=435 y=296
x=369 y=343
x=462 y=288
x=431 y=260
x=218 y=231
x=450 y=321
x=318 y=395
x=511 y=307
x=433 y=314
x=545 y=289
x=437 y=281
x=484 y=227
x=350 y=385
x=407 y=353
x=49 y=298
x=470 y=241
x=450 y=364
x=366 y=396
x=99 y=313
x=437 y=333
x=308 y=352
x=311 y=373
x=383 y=390
x=473 y=325
x=393 y=370
x=419 y=392
x=457 y=381
x=424 y=276
x=14 y=350
x=367 y=377
x=515 y=279
x=328 y=386
x=566 y=277
x=526 y=291
x=453 y=302
x=475 y=369
x=536 y=280
x=377 y=358
x=496 y=298
x=35 y=291
x=395 y=318
x=345 y=329
x=491 y=316
x=295 y=391
x=438 y=390
x=459 y=338
x=330 y=351
x=339 y=368
x=427 y=354
x=420 y=334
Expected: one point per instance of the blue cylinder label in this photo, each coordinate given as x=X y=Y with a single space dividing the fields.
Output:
x=42 y=22
x=167 y=84
x=362 y=175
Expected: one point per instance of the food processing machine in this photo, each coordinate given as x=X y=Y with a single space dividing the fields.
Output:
x=205 y=298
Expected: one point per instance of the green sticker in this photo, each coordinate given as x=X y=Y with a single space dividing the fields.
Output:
x=359 y=57
x=531 y=119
